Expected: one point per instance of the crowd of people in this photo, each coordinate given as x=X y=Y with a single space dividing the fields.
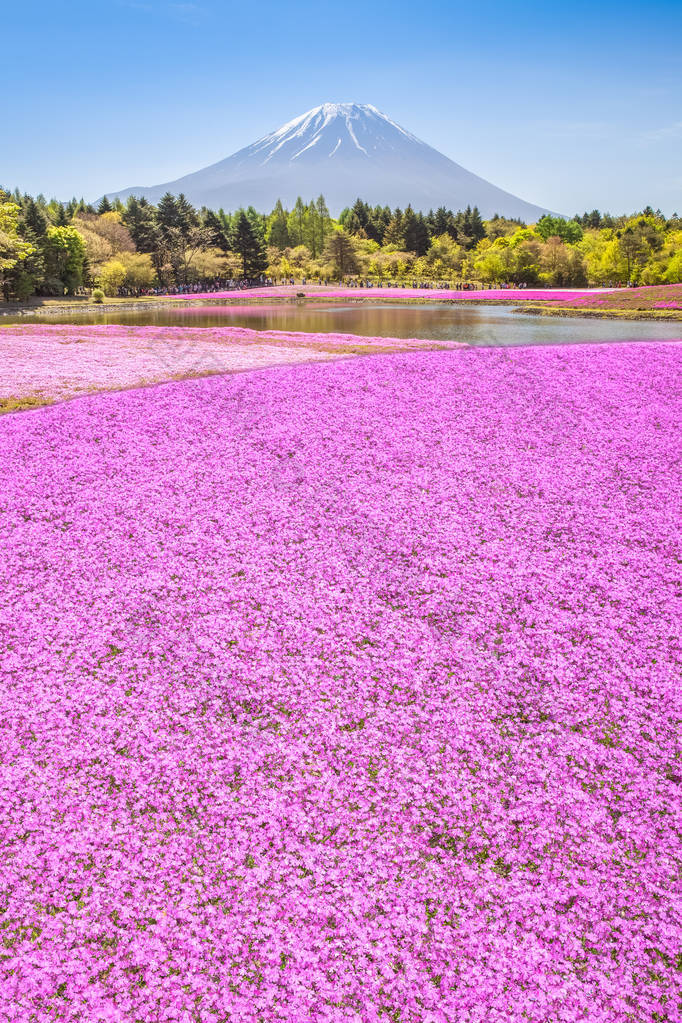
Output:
x=428 y=285
x=243 y=284
x=198 y=288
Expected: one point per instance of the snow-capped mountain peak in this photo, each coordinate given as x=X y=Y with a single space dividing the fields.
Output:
x=342 y=151
x=332 y=128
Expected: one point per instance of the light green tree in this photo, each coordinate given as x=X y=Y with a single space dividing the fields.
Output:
x=139 y=269
x=490 y=267
x=64 y=257
x=445 y=254
x=111 y=277
x=13 y=249
x=613 y=265
x=673 y=273
x=323 y=221
x=555 y=262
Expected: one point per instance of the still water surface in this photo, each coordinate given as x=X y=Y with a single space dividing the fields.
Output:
x=477 y=325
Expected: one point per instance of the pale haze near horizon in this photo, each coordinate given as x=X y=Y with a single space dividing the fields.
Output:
x=569 y=107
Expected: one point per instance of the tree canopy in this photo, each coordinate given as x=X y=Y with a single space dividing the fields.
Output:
x=48 y=247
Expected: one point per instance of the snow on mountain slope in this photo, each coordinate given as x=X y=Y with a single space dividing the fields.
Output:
x=342 y=150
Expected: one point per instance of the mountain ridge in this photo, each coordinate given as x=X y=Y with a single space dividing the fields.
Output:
x=340 y=150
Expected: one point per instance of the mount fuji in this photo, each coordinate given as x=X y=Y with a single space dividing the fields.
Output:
x=341 y=150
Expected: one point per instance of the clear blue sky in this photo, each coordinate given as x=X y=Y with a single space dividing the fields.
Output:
x=570 y=105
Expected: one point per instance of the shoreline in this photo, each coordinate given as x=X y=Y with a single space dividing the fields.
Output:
x=601 y=314
x=57 y=307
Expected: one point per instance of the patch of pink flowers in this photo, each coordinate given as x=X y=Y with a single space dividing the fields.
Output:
x=347 y=692
x=424 y=294
x=48 y=361
x=642 y=299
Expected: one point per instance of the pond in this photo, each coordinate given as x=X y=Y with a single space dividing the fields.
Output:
x=478 y=325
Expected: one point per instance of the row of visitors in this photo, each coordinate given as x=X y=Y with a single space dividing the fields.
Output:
x=198 y=288
x=232 y=284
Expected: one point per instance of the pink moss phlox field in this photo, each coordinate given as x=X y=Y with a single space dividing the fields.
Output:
x=643 y=299
x=424 y=294
x=347 y=692
x=53 y=361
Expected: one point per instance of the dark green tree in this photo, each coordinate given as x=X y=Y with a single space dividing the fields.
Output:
x=422 y=239
x=340 y=252
x=442 y=223
x=258 y=222
x=410 y=229
x=353 y=225
x=395 y=230
x=247 y=245
x=167 y=213
x=187 y=217
x=141 y=220
x=217 y=234
x=477 y=230
x=61 y=216
x=34 y=221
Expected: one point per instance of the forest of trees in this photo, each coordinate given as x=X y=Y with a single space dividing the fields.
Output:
x=54 y=248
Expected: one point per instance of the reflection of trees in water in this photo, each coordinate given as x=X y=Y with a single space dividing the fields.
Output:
x=478 y=325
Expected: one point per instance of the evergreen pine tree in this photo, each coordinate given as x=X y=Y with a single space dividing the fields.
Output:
x=216 y=231
x=463 y=228
x=278 y=232
x=395 y=231
x=353 y=225
x=376 y=225
x=295 y=222
x=257 y=221
x=140 y=219
x=311 y=234
x=104 y=206
x=441 y=222
x=322 y=220
x=167 y=213
x=28 y=275
x=186 y=214
x=360 y=210
x=249 y=247
x=477 y=229
x=410 y=229
x=421 y=236
x=341 y=253
x=62 y=217
x=35 y=221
